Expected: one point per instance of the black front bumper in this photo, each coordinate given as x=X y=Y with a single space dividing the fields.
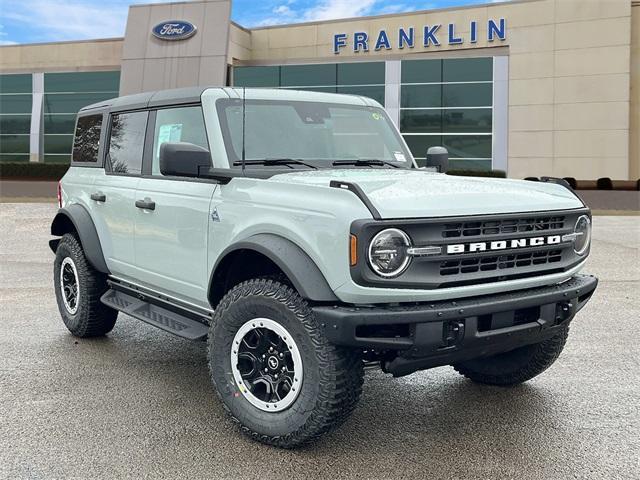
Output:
x=446 y=332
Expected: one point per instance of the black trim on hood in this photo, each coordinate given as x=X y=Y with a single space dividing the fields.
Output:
x=355 y=188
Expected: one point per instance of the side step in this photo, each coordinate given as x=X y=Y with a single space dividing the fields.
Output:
x=155 y=315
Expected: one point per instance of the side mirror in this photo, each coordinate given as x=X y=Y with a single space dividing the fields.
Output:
x=183 y=159
x=438 y=158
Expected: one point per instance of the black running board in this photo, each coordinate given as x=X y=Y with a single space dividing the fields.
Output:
x=155 y=315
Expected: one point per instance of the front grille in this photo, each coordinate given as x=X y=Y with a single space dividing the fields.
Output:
x=484 y=248
x=503 y=226
x=500 y=262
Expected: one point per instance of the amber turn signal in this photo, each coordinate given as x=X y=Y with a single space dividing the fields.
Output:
x=353 y=250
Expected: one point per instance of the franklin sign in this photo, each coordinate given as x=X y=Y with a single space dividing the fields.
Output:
x=426 y=37
x=174 y=30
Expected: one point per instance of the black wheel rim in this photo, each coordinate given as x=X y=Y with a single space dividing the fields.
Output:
x=267 y=365
x=69 y=285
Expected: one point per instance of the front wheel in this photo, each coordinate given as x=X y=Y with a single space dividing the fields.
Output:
x=516 y=366
x=274 y=369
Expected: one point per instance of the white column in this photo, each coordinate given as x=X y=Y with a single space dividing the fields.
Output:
x=35 y=137
x=392 y=90
x=500 y=113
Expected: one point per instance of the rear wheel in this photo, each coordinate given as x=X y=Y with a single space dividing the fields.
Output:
x=516 y=366
x=274 y=369
x=78 y=288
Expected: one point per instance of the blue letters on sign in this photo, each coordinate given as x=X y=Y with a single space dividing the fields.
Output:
x=453 y=40
x=405 y=37
x=173 y=30
x=339 y=40
x=383 y=41
x=360 y=42
x=500 y=30
x=474 y=32
x=431 y=36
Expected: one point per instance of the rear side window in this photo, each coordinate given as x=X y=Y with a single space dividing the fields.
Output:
x=183 y=124
x=126 y=142
x=86 y=142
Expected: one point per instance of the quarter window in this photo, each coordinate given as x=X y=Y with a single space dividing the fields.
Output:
x=184 y=124
x=126 y=142
x=87 y=140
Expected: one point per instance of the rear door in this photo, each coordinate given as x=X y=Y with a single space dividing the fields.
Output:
x=171 y=222
x=113 y=192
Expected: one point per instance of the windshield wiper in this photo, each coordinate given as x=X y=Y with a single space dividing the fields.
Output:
x=365 y=163
x=274 y=161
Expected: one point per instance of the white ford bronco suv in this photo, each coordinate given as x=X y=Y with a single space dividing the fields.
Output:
x=294 y=231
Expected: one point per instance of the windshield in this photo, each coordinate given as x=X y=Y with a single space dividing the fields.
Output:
x=315 y=133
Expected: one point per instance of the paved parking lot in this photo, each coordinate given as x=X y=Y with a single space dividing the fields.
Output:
x=138 y=403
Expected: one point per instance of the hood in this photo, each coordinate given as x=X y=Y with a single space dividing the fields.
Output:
x=406 y=193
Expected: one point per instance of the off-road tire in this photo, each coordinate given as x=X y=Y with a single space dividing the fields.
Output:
x=516 y=366
x=332 y=376
x=92 y=318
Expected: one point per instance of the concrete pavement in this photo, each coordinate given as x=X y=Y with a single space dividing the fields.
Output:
x=139 y=403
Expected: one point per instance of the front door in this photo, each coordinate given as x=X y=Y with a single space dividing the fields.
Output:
x=172 y=217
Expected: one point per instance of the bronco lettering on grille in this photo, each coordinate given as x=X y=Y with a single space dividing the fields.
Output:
x=503 y=244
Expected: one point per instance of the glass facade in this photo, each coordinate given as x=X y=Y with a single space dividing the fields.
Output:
x=15 y=117
x=361 y=78
x=65 y=94
x=449 y=102
x=442 y=102
x=446 y=102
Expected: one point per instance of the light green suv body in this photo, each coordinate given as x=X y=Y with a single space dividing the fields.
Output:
x=181 y=242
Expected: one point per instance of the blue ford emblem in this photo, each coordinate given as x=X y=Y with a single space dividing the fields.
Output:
x=173 y=30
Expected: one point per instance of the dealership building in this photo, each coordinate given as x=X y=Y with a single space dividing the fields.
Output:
x=533 y=87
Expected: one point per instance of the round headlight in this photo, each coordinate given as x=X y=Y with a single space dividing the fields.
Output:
x=582 y=231
x=388 y=252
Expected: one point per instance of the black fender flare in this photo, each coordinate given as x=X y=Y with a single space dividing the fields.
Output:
x=299 y=268
x=80 y=219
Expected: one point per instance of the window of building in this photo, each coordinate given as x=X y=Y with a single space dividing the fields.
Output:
x=185 y=124
x=361 y=78
x=65 y=94
x=256 y=76
x=87 y=139
x=126 y=142
x=15 y=117
x=449 y=103
x=308 y=75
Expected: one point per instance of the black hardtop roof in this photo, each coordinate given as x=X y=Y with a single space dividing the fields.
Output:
x=175 y=96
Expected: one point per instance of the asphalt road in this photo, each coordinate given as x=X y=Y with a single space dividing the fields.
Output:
x=138 y=403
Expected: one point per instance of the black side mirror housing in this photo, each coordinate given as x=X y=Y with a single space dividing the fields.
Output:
x=438 y=158
x=184 y=159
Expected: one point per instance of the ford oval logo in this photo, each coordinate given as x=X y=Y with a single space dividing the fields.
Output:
x=173 y=30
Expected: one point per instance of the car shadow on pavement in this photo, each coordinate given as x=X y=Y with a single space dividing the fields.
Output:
x=436 y=410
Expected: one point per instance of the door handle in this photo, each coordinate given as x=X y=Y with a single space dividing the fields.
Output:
x=146 y=204
x=98 y=197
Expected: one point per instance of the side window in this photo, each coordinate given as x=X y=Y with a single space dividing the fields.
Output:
x=126 y=142
x=184 y=124
x=87 y=139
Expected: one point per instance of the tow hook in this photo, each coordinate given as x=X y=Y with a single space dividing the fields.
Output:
x=564 y=310
x=452 y=333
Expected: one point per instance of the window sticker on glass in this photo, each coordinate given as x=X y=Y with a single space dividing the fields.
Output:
x=171 y=132
x=376 y=116
x=399 y=156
